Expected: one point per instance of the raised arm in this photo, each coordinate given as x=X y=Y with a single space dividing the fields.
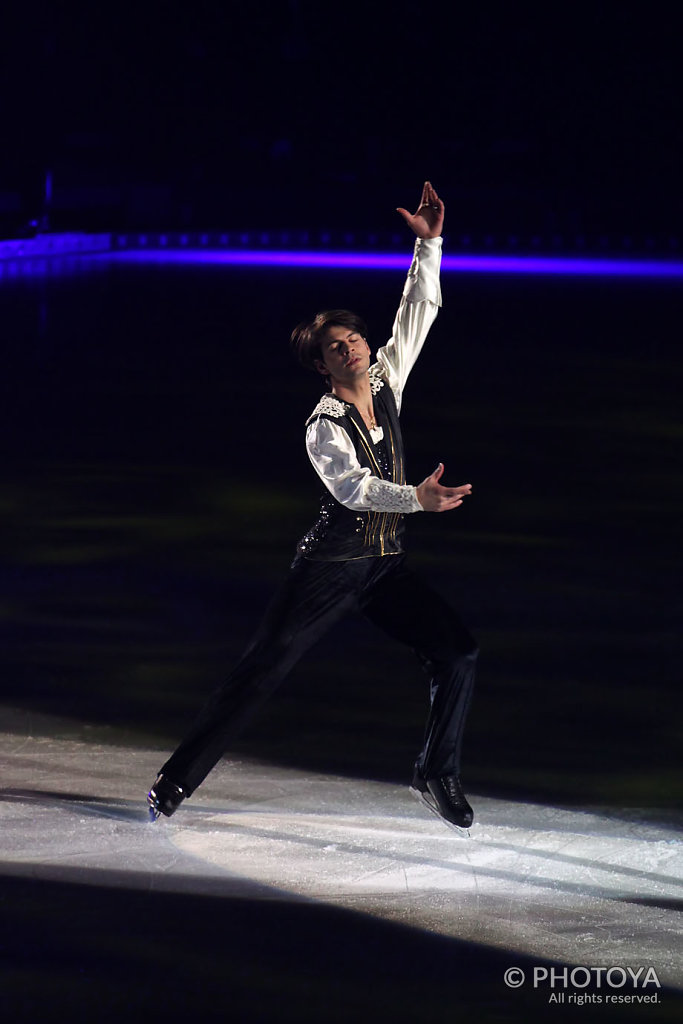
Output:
x=421 y=295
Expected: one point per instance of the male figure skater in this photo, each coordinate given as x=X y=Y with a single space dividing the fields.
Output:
x=352 y=558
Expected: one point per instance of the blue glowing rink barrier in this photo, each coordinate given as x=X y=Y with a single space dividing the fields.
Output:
x=395 y=261
x=57 y=244
x=76 y=252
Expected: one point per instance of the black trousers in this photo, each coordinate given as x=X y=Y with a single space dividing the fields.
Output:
x=315 y=596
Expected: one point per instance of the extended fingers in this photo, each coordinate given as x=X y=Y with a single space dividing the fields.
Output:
x=432 y=197
x=451 y=497
x=459 y=492
x=446 y=504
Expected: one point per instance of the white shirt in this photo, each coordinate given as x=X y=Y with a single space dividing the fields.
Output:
x=330 y=448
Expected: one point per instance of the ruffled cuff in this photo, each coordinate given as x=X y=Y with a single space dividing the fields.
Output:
x=384 y=496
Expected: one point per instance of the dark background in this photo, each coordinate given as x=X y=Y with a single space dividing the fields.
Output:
x=533 y=120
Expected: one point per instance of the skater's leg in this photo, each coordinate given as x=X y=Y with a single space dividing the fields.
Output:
x=314 y=596
x=408 y=609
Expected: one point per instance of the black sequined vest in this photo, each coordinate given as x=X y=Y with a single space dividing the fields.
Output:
x=339 y=533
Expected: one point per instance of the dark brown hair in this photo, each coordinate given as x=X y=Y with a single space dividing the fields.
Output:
x=307 y=337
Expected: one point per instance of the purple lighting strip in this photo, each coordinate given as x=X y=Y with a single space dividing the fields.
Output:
x=567 y=266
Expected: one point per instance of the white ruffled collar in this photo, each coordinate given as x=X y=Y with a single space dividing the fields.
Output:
x=331 y=405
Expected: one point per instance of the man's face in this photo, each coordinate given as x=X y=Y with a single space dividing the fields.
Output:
x=345 y=355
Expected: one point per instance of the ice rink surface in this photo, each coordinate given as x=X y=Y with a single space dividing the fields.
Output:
x=592 y=886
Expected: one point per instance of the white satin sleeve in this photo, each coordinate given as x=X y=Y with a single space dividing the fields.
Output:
x=333 y=457
x=419 y=306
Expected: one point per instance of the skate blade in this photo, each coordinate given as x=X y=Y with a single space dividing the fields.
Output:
x=426 y=799
x=152 y=810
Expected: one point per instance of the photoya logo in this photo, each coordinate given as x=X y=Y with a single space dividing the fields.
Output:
x=582 y=977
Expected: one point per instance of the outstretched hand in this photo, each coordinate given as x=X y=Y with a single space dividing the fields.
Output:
x=427 y=221
x=435 y=498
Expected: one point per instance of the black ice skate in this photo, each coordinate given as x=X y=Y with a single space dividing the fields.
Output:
x=164 y=797
x=445 y=798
